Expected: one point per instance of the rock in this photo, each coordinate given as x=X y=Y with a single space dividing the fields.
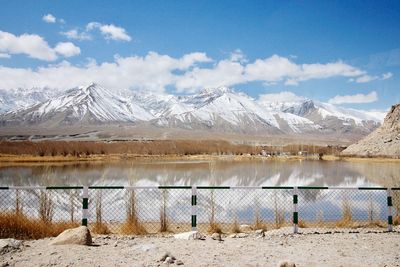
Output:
x=244 y=228
x=76 y=236
x=383 y=141
x=216 y=236
x=286 y=263
x=260 y=233
x=239 y=235
x=169 y=260
x=192 y=235
x=9 y=244
x=179 y=262
x=167 y=255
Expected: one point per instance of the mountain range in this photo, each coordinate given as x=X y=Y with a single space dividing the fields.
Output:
x=217 y=110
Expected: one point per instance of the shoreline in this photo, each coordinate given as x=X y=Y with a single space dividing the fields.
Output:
x=8 y=159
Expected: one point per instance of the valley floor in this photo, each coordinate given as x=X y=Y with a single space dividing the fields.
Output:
x=362 y=248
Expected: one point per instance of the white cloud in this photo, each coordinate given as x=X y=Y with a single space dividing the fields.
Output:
x=280 y=97
x=224 y=73
x=152 y=72
x=110 y=31
x=387 y=75
x=5 y=55
x=49 y=18
x=32 y=45
x=76 y=35
x=67 y=49
x=238 y=56
x=155 y=72
x=277 y=68
x=366 y=79
x=354 y=99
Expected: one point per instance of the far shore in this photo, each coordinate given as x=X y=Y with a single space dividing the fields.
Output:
x=9 y=159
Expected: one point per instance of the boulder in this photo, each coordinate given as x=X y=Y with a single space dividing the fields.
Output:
x=76 y=236
x=192 y=235
x=9 y=244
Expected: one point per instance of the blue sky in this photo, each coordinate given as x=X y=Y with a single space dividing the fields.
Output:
x=345 y=52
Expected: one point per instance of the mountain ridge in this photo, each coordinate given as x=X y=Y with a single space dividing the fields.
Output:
x=216 y=109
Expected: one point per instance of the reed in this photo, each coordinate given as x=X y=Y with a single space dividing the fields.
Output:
x=19 y=226
x=132 y=224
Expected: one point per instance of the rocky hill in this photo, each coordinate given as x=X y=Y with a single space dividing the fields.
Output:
x=384 y=141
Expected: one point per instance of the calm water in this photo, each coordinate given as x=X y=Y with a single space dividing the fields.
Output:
x=254 y=173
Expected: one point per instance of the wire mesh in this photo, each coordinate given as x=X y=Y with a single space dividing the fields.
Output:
x=36 y=213
x=139 y=211
x=238 y=210
x=342 y=208
x=40 y=212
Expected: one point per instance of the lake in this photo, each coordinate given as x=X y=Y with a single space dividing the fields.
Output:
x=230 y=173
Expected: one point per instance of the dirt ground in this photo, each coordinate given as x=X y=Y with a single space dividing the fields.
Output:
x=354 y=248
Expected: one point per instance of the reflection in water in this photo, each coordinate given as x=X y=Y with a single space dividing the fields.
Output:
x=232 y=173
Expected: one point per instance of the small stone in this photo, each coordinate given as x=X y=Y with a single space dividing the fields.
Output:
x=169 y=260
x=192 y=235
x=165 y=256
x=216 y=236
x=286 y=263
x=9 y=244
x=179 y=262
x=241 y=235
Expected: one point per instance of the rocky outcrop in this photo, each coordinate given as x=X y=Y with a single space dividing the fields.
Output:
x=385 y=141
x=76 y=236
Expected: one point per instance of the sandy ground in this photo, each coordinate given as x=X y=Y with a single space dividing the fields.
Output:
x=362 y=248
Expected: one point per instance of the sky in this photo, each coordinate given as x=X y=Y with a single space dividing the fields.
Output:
x=342 y=52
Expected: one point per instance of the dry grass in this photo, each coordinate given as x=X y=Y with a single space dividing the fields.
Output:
x=132 y=226
x=214 y=228
x=17 y=225
x=347 y=218
x=259 y=224
x=302 y=224
x=100 y=228
x=235 y=227
x=396 y=220
x=163 y=212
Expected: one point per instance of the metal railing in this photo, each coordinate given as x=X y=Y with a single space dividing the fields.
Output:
x=32 y=212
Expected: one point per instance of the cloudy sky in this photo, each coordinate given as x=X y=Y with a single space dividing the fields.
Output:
x=333 y=51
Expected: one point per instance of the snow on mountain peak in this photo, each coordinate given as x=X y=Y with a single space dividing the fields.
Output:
x=216 y=91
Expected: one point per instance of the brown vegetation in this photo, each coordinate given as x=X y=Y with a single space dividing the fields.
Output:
x=17 y=225
x=132 y=224
x=82 y=149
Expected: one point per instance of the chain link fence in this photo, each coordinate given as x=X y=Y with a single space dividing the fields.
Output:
x=36 y=212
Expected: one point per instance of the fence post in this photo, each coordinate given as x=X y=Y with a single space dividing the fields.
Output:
x=194 y=208
x=390 y=204
x=85 y=205
x=295 y=211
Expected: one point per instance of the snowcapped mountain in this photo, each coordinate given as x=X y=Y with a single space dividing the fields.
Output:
x=219 y=109
x=22 y=98
x=331 y=118
x=86 y=104
x=223 y=108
